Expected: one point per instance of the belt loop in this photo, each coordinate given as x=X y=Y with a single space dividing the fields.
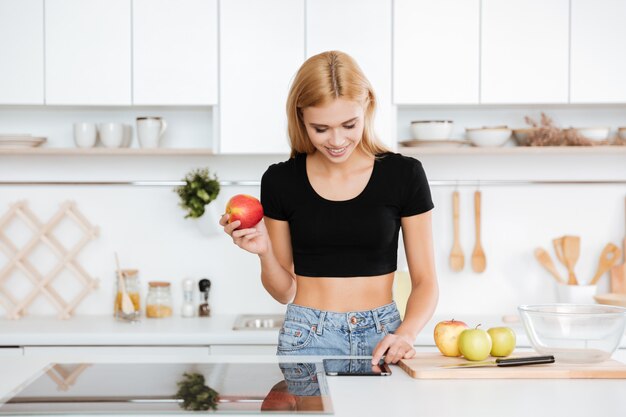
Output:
x=379 y=327
x=320 y=323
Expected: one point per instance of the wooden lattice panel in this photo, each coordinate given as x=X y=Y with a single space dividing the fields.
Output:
x=65 y=379
x=66 y=259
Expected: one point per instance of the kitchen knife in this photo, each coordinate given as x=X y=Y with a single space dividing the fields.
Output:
x=529 y=360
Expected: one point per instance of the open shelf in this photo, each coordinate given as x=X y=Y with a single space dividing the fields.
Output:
x=107 y=151
x=513 y=150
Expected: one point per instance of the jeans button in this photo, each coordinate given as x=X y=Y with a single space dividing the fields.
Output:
x=353 y=320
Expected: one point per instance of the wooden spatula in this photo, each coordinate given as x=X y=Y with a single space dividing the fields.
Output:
x=618 y=272
x=571 y=252
x=457 y=259
x=546 y=261
x=609 y=256
x=558 y=249
x=479 y=261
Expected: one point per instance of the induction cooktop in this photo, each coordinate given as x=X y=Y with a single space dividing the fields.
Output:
x=173 y=388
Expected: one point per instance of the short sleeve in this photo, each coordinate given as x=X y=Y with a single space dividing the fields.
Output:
x=416 y=196
x=270 y=196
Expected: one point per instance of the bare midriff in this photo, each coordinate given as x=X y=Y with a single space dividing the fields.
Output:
x=344 y=294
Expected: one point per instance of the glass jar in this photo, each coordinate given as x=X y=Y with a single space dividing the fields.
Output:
x=159 y=300
x=131 y=284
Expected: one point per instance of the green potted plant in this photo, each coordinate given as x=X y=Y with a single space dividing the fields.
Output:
x=194 y=395
x=199 y=190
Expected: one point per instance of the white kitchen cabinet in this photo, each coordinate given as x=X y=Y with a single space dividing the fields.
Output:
x=436 y=52
x=175 y=52
x=21 y=52
x=524 y=51
x=171 y=352
x=243 y=349
x=261 y=48
x=598 y=61
x=339 y=25
x=88 y=52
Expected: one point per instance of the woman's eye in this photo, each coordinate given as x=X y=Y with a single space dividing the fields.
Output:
x=318 y=130
x=350 y=126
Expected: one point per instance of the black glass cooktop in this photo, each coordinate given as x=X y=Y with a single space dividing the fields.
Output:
x=173 y=388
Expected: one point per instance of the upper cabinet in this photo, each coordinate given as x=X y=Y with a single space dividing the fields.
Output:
x=88 y=52
x=598 y=62
x=175 y=52
x=261 y=48
x=436 y=51
x=21 y=52
x=524 y=51
x=338 y=25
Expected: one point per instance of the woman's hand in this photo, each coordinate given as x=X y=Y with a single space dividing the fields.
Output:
x=396 y=347
x=254 y=240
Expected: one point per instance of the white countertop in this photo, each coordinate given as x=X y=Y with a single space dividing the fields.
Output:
x=173 y=331
x=400 y=395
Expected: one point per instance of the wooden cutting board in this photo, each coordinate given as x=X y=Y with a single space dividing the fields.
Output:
x=428 y=366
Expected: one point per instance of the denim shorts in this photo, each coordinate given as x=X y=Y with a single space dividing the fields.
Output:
x=307 y=331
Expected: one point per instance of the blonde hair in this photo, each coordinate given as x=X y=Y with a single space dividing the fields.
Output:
x=321 y=79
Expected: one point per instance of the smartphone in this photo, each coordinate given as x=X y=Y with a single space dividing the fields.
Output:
x=355 y=367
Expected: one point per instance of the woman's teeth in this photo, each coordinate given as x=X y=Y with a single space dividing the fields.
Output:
x=336 y=151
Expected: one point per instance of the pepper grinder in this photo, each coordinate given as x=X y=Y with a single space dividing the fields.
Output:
x=204 y=310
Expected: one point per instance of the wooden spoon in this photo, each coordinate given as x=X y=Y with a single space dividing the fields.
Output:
x=609 y=256
x=127 y=304
x=618 y=272
x=545 y=260
x=479 y=261
x=457 y=259
x=571 y=253
x=558 y=249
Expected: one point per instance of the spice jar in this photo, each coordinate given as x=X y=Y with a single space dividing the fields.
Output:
x=159 y=300
x=131 y=286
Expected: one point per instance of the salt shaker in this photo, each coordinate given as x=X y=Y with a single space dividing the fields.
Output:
x=188 y=309
x=204 y=310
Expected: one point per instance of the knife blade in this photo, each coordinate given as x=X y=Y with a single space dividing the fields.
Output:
x=504 y=362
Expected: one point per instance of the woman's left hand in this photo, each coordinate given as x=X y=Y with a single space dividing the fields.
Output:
x=394 y=347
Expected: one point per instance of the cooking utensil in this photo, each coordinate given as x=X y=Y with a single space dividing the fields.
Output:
x=127 y=304
x=609 y=256
x=479 y=260
x=618 y=272
x=546 y=261
x=457 y=259
x=558 y=249
x=502 y=362
x=571 y=252
x=611 y=299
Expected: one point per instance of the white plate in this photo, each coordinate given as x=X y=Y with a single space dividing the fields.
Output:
x=447 y=143
x=21 y=142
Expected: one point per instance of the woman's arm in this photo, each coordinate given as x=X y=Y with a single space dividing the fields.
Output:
x=277 y=273
x=418 y=245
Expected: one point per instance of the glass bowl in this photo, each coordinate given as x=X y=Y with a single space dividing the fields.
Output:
x=575 y=333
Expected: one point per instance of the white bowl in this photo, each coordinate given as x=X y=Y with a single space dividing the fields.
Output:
x=594 y=133
x=431 y=129
x=488 y=136
x=521 y=135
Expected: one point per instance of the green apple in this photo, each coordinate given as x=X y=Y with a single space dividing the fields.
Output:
x=475 y=344
x=447 y=336
x=502 y=340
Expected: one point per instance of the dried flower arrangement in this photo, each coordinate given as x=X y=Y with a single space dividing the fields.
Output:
x=546 y=133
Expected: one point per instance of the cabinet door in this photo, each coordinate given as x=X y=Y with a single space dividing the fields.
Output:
x=261 y=48
x=525 y=47
x=88 y=52
x=598 y=62
x=436 y=51
x=21 y=52
x=175 y=52
x=339 y=25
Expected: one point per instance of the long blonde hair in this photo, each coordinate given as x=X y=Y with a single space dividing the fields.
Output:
x=321 y=79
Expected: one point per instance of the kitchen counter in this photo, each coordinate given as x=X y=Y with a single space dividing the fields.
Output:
x=177 y=331
x=401 y=395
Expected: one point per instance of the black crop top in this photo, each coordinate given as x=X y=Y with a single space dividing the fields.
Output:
x=349 y=238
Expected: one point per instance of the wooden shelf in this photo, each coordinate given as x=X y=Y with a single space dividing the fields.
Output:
x=108 y=151
x=514 y=150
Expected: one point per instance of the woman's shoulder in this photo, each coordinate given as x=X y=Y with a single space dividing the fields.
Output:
x=282 y=170
x=398 y=163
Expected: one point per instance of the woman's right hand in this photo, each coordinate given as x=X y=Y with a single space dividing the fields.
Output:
x=255 y=240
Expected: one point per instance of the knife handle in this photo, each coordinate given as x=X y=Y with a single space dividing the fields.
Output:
x=529 y=360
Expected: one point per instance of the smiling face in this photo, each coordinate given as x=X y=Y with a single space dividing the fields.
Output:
x=335 y=129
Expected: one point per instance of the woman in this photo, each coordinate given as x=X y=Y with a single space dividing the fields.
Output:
x=328 y=242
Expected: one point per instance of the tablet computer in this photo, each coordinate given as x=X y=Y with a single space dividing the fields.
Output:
x=355 y=367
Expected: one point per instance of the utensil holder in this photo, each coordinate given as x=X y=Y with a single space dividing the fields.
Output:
x=576 y=294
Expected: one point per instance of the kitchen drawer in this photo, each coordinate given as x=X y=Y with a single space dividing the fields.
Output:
x=170 y=352
x=243 y=350
x=10 y=351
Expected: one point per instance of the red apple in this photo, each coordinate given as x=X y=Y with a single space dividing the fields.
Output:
x=245 y=208
x=446 y=336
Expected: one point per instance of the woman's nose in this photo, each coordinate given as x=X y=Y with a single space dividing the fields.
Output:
x=336 y=139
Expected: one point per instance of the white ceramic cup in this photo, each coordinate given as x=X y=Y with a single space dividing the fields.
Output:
x=128 y=136
x=150 y=130
x=85 y=134
x=111 y=134
x=576 y=294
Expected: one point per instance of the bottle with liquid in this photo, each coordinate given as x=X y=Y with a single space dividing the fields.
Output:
x=188 y=308
x=204 y=310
